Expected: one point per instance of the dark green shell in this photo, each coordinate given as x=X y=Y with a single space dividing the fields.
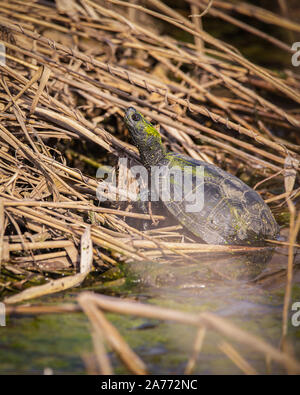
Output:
x=233 y=213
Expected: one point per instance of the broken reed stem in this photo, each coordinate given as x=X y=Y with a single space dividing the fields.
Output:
x=200 y=335
x=104 y=328
x=79 y=206
x=64 y=308
x=196 y=18
x=236 y=358
x=97 y=337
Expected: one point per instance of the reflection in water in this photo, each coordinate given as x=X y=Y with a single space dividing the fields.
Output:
x=219 y=282
x=193 y=274
x=241 y=281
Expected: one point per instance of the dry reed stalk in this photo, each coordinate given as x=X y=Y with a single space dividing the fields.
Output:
x=200 y=335
x=105 y=329
x=208 y=320
x=259 y=13
x=236 y=357
x=86 y=259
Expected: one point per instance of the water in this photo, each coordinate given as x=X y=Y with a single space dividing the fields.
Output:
x=252 y=299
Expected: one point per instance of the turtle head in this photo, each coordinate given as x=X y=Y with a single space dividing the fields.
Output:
x=145 y=137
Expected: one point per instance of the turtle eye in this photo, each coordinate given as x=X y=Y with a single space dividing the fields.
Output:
x=136 y=117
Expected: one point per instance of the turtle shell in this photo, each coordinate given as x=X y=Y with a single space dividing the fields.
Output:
x=230 y=212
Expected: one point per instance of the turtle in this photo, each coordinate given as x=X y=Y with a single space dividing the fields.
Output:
x=230 y=211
